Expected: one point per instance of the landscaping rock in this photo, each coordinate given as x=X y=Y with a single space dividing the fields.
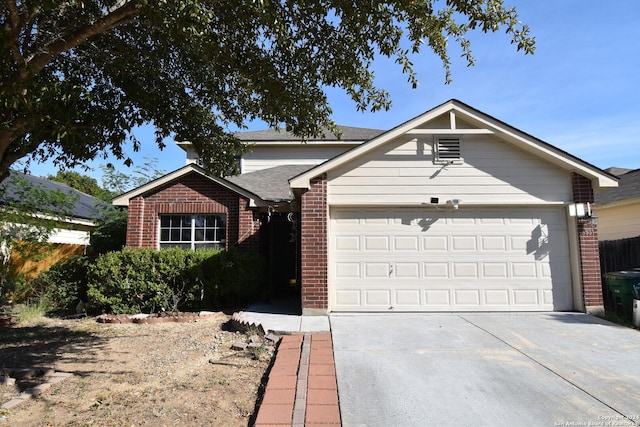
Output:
x=271 y=337
x=7 y=381
x=239 y=345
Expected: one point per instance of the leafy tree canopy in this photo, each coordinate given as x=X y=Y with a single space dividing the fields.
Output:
x=76 y=76
x=84 y=183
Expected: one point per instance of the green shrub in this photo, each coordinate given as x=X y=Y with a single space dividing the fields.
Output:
x=146 y=280
x=137 y=280
x=234 y=277
x=64 y=285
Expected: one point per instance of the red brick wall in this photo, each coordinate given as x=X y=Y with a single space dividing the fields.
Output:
x=588 y=245
x=313 y=229
x=191 y=194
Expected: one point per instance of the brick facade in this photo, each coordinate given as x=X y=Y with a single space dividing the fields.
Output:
x=588 y=246
x=313 y=256
x=192 y=194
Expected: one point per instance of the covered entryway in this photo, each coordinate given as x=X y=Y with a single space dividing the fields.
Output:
x=490 y=259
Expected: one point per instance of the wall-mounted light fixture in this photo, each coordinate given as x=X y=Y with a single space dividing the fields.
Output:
x=580 y=210
x=583 y=210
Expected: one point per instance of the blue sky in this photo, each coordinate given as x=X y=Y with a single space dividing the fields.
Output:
x=579 y=92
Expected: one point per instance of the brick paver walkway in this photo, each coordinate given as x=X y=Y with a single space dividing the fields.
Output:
x=302 y=388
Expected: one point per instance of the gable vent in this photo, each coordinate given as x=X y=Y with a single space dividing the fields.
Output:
x=447 y=149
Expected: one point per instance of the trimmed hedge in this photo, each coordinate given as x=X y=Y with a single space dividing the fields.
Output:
x=147 y=280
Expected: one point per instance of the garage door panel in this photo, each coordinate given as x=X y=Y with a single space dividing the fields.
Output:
x=467 y=298
x=465 y=270
x=497 y=297
x=435 y=243
x=373 y=270
x=376 y=243
x=493 y=243
x=524 y=270
x=347 y=243
x=406 y=270
x=378 y=298
x=436 y=270
x=406 y=243
x=348 y=298
x=348 y=270
x=463 y=243
x=407 y=298
x=446 y=261
x=437 y=298
x=526 y=297
x=495 y=270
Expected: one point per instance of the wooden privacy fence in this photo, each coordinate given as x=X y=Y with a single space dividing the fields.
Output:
x=618 y=255
x=30 y=267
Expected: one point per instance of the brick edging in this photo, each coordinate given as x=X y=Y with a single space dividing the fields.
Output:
x=36 y=391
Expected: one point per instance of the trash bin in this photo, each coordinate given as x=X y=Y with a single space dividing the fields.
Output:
x=624 y=288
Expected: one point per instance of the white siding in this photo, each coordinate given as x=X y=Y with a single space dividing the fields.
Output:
x=402 y=172
x=76 y=237
x=301 y=154
x=618 y=222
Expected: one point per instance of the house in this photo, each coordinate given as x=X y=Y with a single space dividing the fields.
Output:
x=452 y=210
x=618 y=207
x=71 y=234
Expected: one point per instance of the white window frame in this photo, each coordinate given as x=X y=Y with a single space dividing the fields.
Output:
x=444 y=157
x=220 y=232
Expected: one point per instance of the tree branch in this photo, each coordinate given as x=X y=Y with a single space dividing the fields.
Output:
x=123 y=15
x=12 y=28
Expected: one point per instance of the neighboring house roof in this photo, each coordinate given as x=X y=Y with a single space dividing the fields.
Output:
x=617 y=171
x=84 y=206
x=627 y=190
x=270 y=184
x=123 y=199
x=483 y=123
x=349 y=133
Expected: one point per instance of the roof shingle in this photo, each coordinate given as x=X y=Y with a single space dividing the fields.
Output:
x=628 y=188
x=270 y=184
x=84 y=205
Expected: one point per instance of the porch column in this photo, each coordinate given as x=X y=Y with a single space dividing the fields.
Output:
x=313 y=252
x=589 y=251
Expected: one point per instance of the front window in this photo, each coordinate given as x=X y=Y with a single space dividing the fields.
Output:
x=193 y=231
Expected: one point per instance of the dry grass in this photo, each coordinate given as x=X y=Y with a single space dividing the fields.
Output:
x=150 y=374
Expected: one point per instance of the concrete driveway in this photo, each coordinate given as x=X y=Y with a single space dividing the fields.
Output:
x=546 y=369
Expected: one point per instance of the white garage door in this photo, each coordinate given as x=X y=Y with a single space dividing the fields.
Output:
x=449 y=260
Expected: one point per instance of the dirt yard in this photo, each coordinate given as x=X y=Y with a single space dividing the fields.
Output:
x=161 y=374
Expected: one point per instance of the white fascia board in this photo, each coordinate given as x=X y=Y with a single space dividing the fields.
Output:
x=123 y=199
x=299 y=142
x=63 y=220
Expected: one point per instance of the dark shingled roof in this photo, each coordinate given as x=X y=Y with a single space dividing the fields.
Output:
x=270 y=184
x=85 y=206
x=349 y=133
x=628 y=188
x=617 y=171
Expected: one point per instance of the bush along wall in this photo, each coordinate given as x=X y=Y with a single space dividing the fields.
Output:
x=64 y=285
x=147 y=281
